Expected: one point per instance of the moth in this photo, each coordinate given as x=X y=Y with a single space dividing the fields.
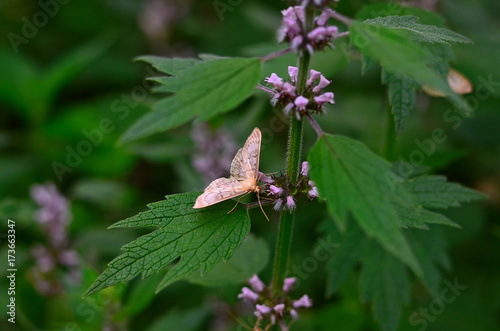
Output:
x=244 y=175
x=458 y=84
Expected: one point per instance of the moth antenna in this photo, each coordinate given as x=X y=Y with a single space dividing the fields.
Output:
x=260 y=205
x=237 y=202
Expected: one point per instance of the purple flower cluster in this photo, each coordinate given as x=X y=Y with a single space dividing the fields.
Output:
x=215 y=151
x=311 y=101
x=265 y=307
x=294 y=33
x=54 y=215
x=286 y=195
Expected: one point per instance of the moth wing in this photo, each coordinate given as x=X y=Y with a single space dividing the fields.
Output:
x=219 y=190
x=458 y=82
x=246 y=162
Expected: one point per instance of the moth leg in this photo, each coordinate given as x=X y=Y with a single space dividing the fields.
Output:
x=237 y=202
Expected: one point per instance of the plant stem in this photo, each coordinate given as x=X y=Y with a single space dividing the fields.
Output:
x=275 y=54
x=292 y=170
x=341 y=18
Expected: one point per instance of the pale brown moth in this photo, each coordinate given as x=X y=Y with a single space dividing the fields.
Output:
x=458 y=84
x=244 y=175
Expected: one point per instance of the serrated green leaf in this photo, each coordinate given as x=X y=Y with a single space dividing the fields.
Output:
x=384 y=282
x=248 y=260
x=419 y=32
x=436 y=192
x=430 y=250
x=418 y=217
x=199 y=237
x=401 y=97
x=399 y=54
x=433 y=192
x=169 y=66
x=353 y=179
x=202 y=89
x=345 y=258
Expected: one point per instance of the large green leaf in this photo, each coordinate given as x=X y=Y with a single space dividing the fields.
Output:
x=345 y=258
x=248 y=260
x=202 y=90
x=402 y=53
x=199 y=237
x=436 y=192
x=384 y=282
x=419 y=32
x=353 y=179
x=430 y=250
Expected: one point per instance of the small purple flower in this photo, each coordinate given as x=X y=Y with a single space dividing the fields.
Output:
x=332 y=30
x=290 y=203
x=275 y=190
x=288 y=284
x=323 y=18
x=313 y=75
x=288 y=108
x=265 y=178
x=215 y=150
x=54 y=213
x=325 y=98
x=323 y=82
x=305 y=169
x=303 y=302
x=275 y=80
x=296 y=42
x=301 y=102
x=44 y=259
x=276 y=97
x=248 y=294
x=277 y=204
x=69 y=258
x=256 y=284
x=261 y=310
x=317 y=34
x=294 y=314
x=280 y=309
x=313 y=193
x=288 y=13
x=299 y=12
x=288 y=89
x=292 y=71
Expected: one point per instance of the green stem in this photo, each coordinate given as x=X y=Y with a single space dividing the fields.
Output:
x=292 y=171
